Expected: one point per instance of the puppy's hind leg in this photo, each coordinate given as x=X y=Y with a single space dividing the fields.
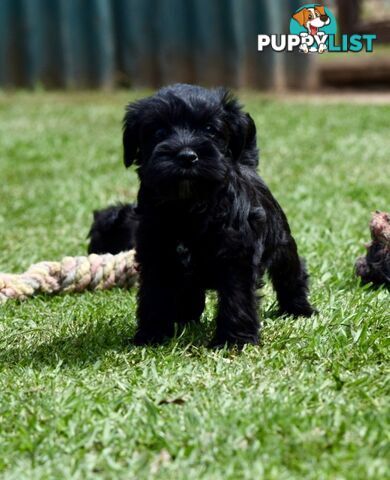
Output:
x=290 y=280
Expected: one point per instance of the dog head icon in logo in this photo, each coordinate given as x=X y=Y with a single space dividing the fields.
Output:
x=316 y=21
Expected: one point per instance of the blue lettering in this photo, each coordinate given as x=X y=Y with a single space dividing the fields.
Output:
x=356 y=44
x=331 y=45
x=369 y=37
x=344 y=47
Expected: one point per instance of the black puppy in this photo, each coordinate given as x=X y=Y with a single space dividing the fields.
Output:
x=113 y=229
x=206 y=219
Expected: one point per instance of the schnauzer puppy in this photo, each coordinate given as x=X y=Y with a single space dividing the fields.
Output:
x=206 y=219
x=113 y=229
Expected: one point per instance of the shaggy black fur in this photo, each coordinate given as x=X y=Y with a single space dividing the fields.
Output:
x=206 y=219
x=375 y=266
x=113 y=229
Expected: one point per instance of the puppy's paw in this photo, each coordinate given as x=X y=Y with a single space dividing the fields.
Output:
x=143 y=338
x=303 y=309
x=322 y=48
x=188 y=321
x=219 y=342
x=304 y=48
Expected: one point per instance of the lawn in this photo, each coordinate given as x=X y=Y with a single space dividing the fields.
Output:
x=78 y=401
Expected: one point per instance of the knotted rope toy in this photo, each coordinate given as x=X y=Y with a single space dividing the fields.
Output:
x=375 y=266
x=103 y=272
x=71 y=274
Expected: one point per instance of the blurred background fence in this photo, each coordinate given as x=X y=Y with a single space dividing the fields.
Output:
x=108 y=43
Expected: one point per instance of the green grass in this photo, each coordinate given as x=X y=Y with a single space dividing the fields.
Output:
x=78 y=401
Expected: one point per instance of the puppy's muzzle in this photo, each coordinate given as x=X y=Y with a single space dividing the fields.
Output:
x=187 y=157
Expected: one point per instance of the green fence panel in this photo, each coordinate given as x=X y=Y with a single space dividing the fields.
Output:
x=107 y=43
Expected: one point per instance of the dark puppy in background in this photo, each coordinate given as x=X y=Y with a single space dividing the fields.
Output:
x=113 y=229
x=206 y=219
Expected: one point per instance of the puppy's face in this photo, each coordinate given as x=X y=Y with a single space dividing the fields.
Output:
x=312 y=18
x=185 y=137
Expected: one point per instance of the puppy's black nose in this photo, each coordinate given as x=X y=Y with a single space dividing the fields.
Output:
x=324 y=18
x=187 y=156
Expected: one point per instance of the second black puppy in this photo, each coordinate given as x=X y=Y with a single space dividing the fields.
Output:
x=113 y=229
x=206 y=219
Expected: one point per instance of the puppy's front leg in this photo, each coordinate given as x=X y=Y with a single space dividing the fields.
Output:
x=237 y=318
x=190 y=303
x=156 y=309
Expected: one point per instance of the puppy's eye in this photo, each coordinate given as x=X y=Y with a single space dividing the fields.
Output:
x=210 y=129
x=160 y=133
x=310 y=16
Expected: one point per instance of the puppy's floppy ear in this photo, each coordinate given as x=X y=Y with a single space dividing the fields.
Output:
x=300 y=16
x=320 y=9
x=131 y=134
x=243 y=136
x=242 y=129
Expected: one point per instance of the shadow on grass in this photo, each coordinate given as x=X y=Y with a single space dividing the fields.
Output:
x=76 y=345
x=75 y=339
x=87 y=343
